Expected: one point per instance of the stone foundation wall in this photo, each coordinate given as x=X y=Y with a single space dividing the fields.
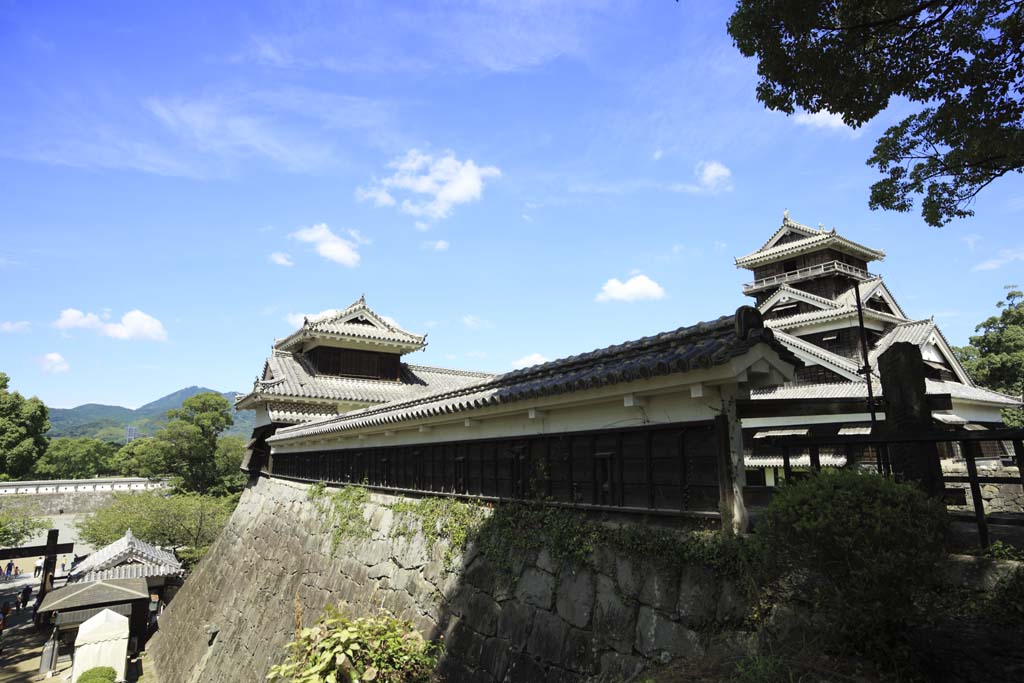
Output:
x=66 y=503
x=274 y=565
x=997 y=497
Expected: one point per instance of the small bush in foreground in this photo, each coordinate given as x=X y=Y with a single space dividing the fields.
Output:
x=341 y=650
x=859 y=547
x=99 y=674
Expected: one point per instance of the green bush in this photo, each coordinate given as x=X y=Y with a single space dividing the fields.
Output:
x=337 y=650
x=99 y=674
x=859 y=548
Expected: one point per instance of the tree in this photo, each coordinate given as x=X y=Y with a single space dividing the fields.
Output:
x=995 y=358
x=188 y=522
x=18 y=523
x=959 y=62
x=23 y=425
x=76 y=458
x=145 y=457
x=228 y=459
x=192 y=435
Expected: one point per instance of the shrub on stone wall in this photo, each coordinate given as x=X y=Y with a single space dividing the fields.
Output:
x=99 y=674
x=337 y=649
x=859 y=548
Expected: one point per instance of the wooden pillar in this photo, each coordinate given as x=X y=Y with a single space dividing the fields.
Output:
x=732 y=475
x=907 y=410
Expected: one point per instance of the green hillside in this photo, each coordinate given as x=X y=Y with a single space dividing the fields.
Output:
x=109 y=422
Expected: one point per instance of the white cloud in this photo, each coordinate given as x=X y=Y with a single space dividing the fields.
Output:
x=329 y=245
x=422 y=226
x=474 y=322
x=359 y=237
x=281 y=259
x=658 y=154
x=971 y=240
x=824 y=120
x=54 y=363
x=636 y=288
x=712 y=177
x=1006 y=257
x=296 y=319
x=476 y=354
x=435 y=184
x=134 y=324
x=531 y=359
x=15 y=326
x=439 y=245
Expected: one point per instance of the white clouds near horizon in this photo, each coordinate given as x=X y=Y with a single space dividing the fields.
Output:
x=134 y=324
x=530 y=359
x=435 y=185
x=282 y=259
x=13 y=326
x=54 y=364
x=636 y=288
x=329 y=245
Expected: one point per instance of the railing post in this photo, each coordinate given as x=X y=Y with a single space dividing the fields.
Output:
x=969 y=449
x=815 y=458
x=787 y=467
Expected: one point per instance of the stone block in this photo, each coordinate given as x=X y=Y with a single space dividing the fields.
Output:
x=522 y=668
x=547 y=637
x=463 y=643
x=536 y=588
x=557 y=675
x=482 y=614
x=546 y=562
x=382 y=570
x=732 y=646
x=575 y=601
x=514 y=623
x=698 y=597
x=614 y=620
x=482 y=574
x=614 y=667
x=733 y=606
x=495 y=656
x=628 y=577
x=655 y=634
x=660 y=589
x=579 y=652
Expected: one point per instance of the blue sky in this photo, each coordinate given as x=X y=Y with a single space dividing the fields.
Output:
x=516 y=180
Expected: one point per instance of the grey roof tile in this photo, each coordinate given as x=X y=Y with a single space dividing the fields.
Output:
x=94 y=593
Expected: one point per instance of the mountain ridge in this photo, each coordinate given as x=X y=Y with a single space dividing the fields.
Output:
x=108 y=422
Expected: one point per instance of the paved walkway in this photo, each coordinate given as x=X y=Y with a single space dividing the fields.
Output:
x=23 y=644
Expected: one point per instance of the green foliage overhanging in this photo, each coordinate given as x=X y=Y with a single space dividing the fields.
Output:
x=995 y=358
x=341 y=650
x=957 y=63
x=19 y=522
x=23 y=426
x=76 y=458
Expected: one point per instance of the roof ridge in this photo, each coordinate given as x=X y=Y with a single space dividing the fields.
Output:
x=451 y=371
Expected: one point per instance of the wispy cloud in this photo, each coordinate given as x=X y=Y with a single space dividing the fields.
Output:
x=1006 y=257
x=824 y=120
x=282 y=259
x=53 y=363
x=15 y=326
x=433 y=185
x=437 y=245
x=475 y=322
x=636 y=288
x=329 y=245
x=296 y=319
x=530 y=360
x=971 y=240
x=133 y=325
x=711 y=177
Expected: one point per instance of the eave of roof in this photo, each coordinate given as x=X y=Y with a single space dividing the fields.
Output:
x=801 y=319
x=808 y=244
x=329 y=327
x=700 y=346
x=785 y=290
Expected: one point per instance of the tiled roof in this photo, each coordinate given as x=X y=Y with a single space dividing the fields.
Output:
x=831 y=390
x=867 y=289
x=813 y=242
x=704 y=345
x=89 y=594
x=293 y=413
x=132 y=571
x=788 y=224
x=342 y=324
x=827 y=357
x=294 y=377
x=916 y=332
x=785 y=290
x=828 y=314
x=128 y=550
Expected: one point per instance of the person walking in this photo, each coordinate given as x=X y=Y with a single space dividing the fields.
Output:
x=24 y=597
x=39 y=568
x=10 y=568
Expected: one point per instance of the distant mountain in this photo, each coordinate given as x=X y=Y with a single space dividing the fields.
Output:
x=109 y=422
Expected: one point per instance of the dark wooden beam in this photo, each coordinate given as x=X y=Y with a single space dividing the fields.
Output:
x=801 y=407
x=36 y=551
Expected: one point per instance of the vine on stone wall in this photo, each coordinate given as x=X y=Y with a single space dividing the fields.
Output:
x=343 y=511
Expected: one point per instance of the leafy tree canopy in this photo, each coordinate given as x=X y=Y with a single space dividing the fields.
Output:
x=78 y=458
x=959 y=62
x=18 y=523
x=228 y=459
x=188 y=522
x=23 y=425
x=995 y=358
x=191 y=435
x=146 y=457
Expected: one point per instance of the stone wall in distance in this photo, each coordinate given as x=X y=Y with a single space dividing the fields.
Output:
x=274 y=563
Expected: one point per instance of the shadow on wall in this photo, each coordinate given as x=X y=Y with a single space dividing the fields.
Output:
x=533 y=594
